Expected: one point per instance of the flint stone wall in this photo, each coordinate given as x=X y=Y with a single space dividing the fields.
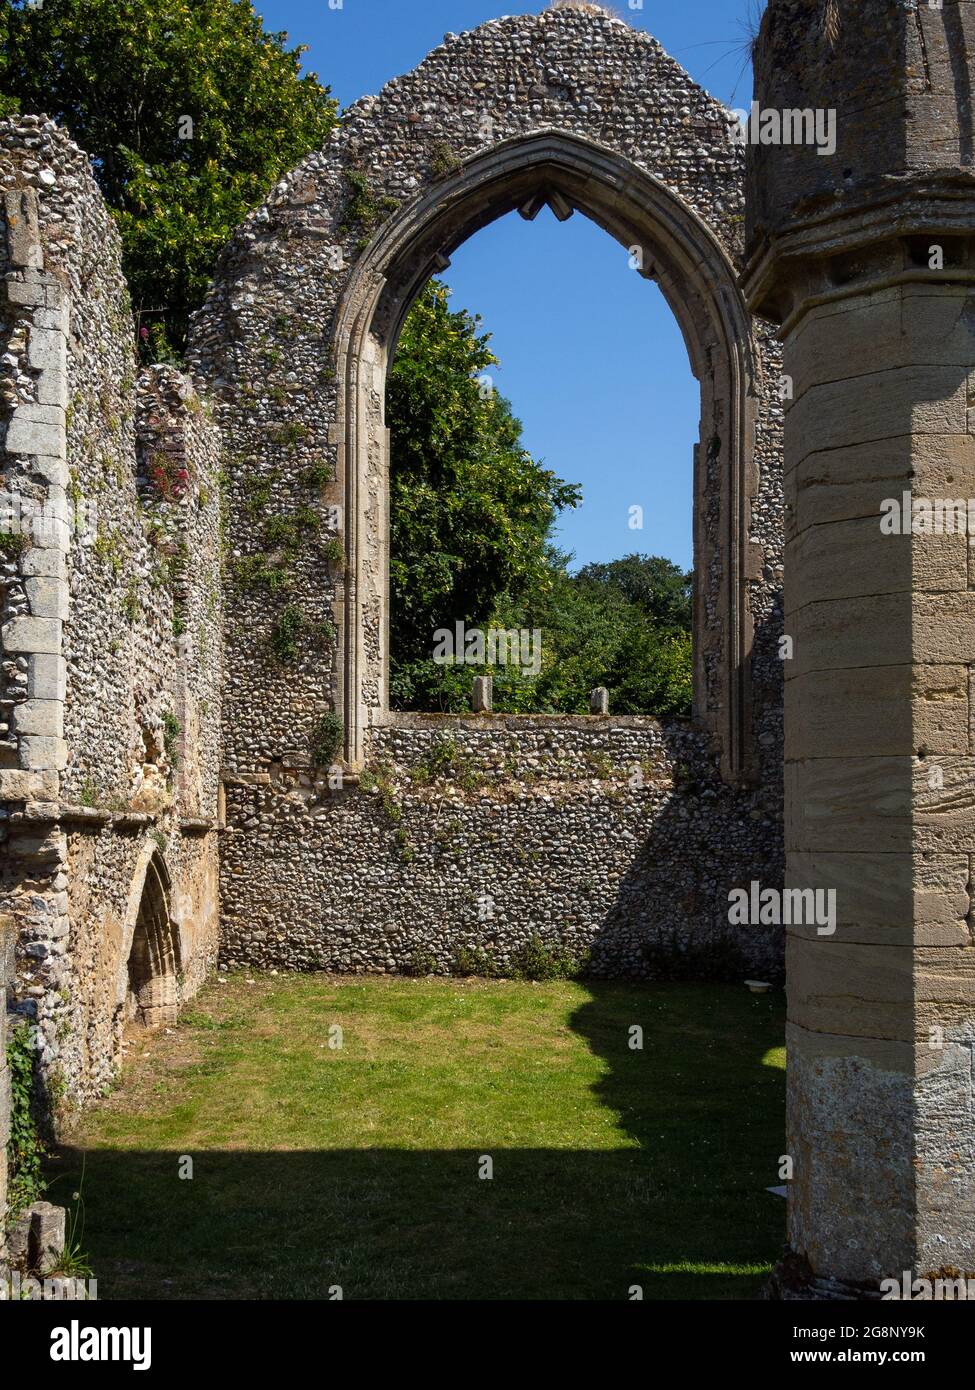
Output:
x=610 y=837
x=314 y=879
x=111 y=661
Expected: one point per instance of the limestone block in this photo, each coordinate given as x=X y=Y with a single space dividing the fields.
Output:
x=17 y=784
x=886 y=898
x=46 y=349
x=844 y=484
x=30 y=288
x=851 y=989
x=47 y=1237
x=50 y=533
x=23 y=234
x=846 y=559
x=41 y=635
x=840 y=413
x=838 y=484
x=45 y=717
x=47 y=677
x=944 y=803
x=828 y=342
x=52 y=387
x=41 y=414
x=58 y=318
x=941 y=709
x=50 y=563
x=52 y=470
x=944 y=976
x=878 y=710
x=48 y=597
x=850 y=804
x=26 y=436
x=38 y=752
x=871 y=631
x=944 y=627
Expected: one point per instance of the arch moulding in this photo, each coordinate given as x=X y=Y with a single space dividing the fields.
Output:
x=678 y=251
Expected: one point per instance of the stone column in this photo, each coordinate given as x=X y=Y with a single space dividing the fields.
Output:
x=863 y=255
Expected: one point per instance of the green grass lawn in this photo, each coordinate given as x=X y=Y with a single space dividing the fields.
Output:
x=358 y=1166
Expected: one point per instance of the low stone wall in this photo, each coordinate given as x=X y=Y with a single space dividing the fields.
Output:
x=613 y=837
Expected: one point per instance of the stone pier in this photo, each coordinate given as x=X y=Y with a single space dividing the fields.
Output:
x=864 y=257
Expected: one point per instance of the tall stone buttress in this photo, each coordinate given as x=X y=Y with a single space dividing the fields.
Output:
x=865 y=257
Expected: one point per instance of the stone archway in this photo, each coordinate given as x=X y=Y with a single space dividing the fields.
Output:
x=579 y=110
x=673 y=247
x=570 y=107
x=149 y=979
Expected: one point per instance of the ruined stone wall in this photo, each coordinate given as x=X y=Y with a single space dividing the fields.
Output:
x=111 y=622
x=608 y=838
x=308 y=881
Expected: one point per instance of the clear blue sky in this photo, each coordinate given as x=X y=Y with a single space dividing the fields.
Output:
x=591 y=357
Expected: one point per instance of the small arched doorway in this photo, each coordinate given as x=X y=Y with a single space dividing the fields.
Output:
x=152 y=970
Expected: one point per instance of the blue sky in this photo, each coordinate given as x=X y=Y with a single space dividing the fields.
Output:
x=591 y=357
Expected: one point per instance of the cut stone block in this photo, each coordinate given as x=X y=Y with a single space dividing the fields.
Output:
x=47 y=1237
x=482 y=695
x=17 y=784
x=26 y=436
x=38 y=753
x=32 y=635
x=48 y=597
x=47 y=677
x=44 y=717
x=51 y=563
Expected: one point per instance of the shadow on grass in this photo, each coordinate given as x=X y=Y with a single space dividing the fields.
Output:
x=681 y=1210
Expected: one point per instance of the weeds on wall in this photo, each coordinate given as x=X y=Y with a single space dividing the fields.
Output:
x=25 y=1150
x=534 y=960
x=325 y=739
x=364 y=210
x=12 y=545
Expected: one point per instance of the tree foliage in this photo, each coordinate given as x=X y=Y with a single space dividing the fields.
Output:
x=470 y=509
x=191 y=112
x=470 y=520
x=130 y=80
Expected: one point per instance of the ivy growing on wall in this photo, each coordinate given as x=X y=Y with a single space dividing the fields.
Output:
x=25 y=1150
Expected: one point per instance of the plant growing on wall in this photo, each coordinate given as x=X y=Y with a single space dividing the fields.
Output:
x=325 y=739
x=25 y=1151
x=169 y=476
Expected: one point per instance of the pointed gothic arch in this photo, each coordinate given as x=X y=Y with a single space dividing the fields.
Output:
x=698 y=280
x=148 y=983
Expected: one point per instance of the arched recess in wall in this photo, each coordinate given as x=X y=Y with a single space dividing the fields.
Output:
x=697 y=279
x=148 y=983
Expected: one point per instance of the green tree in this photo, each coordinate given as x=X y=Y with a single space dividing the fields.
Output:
x=470 y=509
x=658 y=587
x=190 y=112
